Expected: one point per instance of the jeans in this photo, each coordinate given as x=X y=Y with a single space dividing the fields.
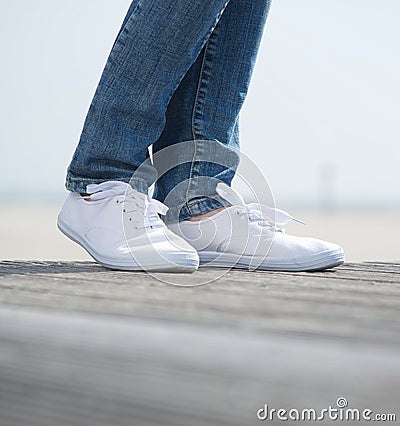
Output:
x=175 y=80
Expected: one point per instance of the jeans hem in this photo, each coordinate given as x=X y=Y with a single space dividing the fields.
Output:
x=195 y=208
x=79 y=185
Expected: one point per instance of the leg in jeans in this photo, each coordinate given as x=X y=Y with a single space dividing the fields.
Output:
x=205 y=108
x=156 y=46
x=179 y=71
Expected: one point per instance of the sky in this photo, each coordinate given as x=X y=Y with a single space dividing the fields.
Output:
x=321 y=120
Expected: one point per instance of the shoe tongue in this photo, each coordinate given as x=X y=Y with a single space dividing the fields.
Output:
x=230 y=195
x=114 y=188
x=107 y=189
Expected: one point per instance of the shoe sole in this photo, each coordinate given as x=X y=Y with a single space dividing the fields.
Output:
x=191 y=262
x=317 y=262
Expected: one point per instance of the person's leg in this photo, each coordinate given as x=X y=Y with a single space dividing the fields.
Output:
x=108 y=211
x=205 y=108
x=159 y=41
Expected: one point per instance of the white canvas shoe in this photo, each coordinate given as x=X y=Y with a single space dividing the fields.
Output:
x=121 y=229
x=252 y=236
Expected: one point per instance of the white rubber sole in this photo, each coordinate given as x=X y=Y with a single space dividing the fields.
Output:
x=316 y=262
x=183 y=262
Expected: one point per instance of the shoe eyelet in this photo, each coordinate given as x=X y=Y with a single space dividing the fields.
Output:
x=237 y=212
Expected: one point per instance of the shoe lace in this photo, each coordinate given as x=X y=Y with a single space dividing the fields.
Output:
x=272 y=218
x=141 y=210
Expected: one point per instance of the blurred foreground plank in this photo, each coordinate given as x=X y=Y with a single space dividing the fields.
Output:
x=82 y=345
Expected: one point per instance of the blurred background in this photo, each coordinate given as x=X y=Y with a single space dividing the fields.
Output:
x=321 y=120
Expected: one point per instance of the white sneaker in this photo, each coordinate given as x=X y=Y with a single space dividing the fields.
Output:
x=252 y=237
x=121 y=229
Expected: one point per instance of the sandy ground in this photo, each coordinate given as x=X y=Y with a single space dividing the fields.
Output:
x=29 y=232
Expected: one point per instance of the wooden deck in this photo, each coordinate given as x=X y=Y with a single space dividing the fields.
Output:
x=82 y=345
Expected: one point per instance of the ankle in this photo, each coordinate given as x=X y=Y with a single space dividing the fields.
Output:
x=205 y=215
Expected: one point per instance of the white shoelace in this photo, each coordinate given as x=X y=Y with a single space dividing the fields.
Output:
x=143 y=211
x=274 y=219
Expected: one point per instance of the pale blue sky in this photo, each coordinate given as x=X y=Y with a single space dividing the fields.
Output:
x=326 y=93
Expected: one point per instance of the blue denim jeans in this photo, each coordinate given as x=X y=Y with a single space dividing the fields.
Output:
x=175 y=80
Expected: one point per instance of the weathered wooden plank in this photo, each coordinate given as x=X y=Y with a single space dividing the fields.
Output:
x=83 y=345
x=75 y=369
x=301 y=303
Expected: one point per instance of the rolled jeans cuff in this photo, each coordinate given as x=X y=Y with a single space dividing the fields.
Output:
x=197 y=167
x=79 y=184
x=195 y=208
